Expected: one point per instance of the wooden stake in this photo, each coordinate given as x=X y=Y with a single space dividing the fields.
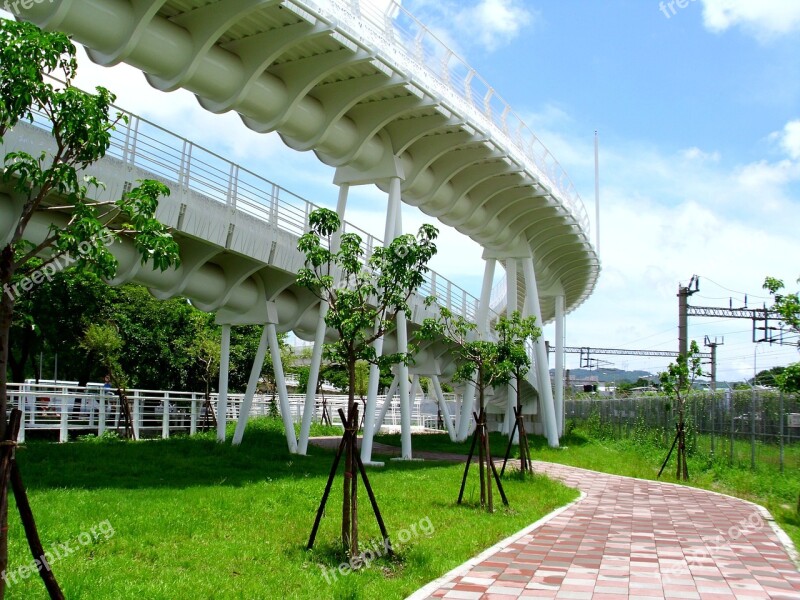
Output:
x=327 y=491
x=34 y=542
x=9 y=472
x=349 y=444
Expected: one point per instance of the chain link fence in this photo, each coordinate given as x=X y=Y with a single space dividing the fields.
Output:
x=755 y=426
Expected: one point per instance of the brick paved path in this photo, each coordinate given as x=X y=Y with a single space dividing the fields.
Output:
x=629 y=539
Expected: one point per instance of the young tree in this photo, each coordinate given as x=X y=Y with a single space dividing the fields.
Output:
x=81 y=129
x=206 y=353
x=676 y=382
x=514 y=333
x=788 y=307
x=479 y=361
x=104 y=343
x=364 y=299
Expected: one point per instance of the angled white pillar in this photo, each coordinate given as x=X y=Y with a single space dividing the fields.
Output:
x=222 y=395
x=369 y=409
x=309 y=408
x=252 y=383
x=341 y=205
x=482 y=318
x=414 y=391
x=559 y=366
x=280 y=383
x=386 y=405
x=542 y=372
x=437 y=389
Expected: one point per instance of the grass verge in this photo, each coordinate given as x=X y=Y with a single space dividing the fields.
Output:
x=190 y=518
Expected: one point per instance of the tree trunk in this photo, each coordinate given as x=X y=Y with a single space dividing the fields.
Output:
x=6 y=313
x=524 y=456
x=480 y=432
x=349 y=497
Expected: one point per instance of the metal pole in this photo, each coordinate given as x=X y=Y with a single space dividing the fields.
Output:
x=713 y=367
x=753 y=414
x=782 y=416
x=683 y=304
x=731 y=406
x=597 y=190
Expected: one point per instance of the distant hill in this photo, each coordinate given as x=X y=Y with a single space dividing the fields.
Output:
x=607 y=374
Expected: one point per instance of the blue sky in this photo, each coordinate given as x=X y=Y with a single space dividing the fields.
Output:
x=699 y=122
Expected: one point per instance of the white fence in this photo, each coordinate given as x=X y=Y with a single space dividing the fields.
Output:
x=68 y=408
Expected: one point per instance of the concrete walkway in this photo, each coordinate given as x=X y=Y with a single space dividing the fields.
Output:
x=629 y=539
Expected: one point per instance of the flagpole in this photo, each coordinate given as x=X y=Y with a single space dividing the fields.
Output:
x=597 y=192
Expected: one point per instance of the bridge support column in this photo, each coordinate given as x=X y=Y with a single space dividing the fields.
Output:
x=369 y=410
x=280 y=383
x=405 y=400
x=310 y=405
x=448 y=423
x=222 y=395
x=313 y=379
x=542 y=371
x=511 y=306
x=386 y=405
x=341 y=205
x=252 y=383
x=393 y=223
x=467 y=405
x=559 y=366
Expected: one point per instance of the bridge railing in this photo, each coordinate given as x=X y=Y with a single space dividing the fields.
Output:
x=140 y=143
x=66 y=409
x=416 y=48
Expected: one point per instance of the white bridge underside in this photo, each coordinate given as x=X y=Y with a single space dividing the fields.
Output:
x=381 y=106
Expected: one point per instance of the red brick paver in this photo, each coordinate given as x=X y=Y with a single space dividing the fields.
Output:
x=628 y=539
x=631 y=539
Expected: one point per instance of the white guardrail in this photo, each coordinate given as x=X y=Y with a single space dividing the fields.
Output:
x=79 y=410
x=403 y=39
x=173 y=159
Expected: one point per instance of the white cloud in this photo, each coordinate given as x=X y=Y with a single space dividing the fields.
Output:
x=665 y=217
x=494 y=23
x=763 y=18
x=488 y=24
x=696 y=154
x=790 y=139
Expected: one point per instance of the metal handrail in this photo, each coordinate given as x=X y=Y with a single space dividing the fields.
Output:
x=143 y=144
x=434 y=66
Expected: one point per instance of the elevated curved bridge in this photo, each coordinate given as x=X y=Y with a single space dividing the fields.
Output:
x=376 y=96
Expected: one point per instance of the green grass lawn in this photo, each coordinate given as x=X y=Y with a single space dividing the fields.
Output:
x=190 y=518
x=642 y=456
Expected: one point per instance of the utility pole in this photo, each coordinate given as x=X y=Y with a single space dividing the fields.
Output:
x=713 y=345
x=683 y=313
